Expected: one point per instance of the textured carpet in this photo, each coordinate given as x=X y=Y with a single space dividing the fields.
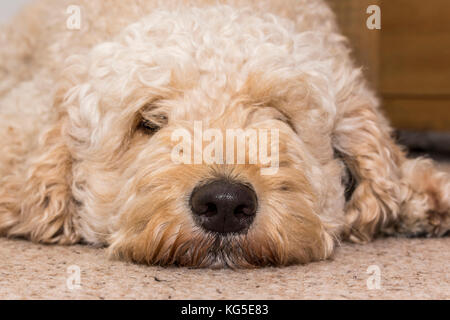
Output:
x=408 y=269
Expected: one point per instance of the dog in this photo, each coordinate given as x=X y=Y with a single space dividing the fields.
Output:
x=88 y=112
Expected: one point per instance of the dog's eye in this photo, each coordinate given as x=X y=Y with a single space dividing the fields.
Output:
x=148 y=126
x=152 y=123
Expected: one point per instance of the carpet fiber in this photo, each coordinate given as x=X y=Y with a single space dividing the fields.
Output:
x=409 y=269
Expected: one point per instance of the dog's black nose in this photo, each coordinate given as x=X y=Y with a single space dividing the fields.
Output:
x=223 y=206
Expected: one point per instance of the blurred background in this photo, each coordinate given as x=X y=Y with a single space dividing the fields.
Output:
x=407 y=62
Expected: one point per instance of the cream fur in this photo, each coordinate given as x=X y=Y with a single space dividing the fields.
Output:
x=74 y=167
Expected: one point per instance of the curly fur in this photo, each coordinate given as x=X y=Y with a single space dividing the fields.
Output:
x=75 y=167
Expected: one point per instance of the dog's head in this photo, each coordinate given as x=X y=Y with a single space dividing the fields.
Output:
x=203 y=138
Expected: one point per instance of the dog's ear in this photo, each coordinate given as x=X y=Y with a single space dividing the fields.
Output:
x=363 y=139
x=35 y=199
x=393 y=194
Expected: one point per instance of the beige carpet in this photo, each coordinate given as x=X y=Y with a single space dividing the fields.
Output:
x=409 y=269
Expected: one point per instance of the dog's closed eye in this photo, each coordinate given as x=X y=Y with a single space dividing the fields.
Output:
x=152 y=119
x=152 y=125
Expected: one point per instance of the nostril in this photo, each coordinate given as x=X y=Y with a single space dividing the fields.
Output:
x=243 y=211
x=209 y=210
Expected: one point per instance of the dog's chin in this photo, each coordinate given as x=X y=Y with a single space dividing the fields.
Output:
x=230 y=250
x=202 y=249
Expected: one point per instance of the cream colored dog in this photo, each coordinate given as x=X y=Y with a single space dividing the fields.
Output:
x=87 y=116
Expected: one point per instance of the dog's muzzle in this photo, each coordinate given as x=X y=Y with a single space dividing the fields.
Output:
x=224 y=206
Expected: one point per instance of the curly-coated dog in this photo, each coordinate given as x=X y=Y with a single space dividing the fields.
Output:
x=88 y=114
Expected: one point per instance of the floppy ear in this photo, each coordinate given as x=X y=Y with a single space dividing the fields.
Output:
x=394 y=194
x=362 y=136
x=36 y=200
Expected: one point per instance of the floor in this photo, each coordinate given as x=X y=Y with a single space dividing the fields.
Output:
x=390 y=268
x=407 y=269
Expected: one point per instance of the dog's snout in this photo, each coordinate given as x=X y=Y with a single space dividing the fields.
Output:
x=223 y=206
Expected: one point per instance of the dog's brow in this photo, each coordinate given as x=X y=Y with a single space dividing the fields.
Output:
x=286 y=119
x=153 y=109
x=150 y=106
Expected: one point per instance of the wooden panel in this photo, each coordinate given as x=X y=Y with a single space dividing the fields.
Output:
x=352 y=17
x=418 y=114
x=408 y=61
x=415 y=47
